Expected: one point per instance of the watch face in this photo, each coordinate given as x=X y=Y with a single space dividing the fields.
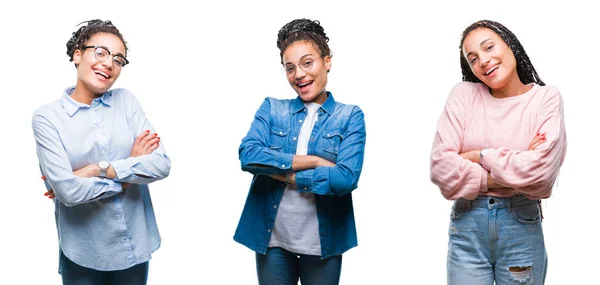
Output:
x=103 y=164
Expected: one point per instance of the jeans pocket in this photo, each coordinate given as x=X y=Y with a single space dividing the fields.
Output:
x=528 y=214
x=459 y=208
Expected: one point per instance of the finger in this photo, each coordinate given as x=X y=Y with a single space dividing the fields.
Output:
x=541 y=141
x=141 y=136
x=152 y=148
x=150 y=143
x=43 y=177
x=147 y=138
x=51 y=196
x=535 y=139
x=49 y=192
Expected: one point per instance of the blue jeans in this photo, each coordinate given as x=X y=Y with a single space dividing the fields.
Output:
x=282 y=267
x=73 y=274
x=496 y=239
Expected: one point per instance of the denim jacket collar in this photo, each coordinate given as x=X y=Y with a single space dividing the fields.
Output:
x=328 y=106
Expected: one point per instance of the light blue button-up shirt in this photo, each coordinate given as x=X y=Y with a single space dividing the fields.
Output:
x=100 y=225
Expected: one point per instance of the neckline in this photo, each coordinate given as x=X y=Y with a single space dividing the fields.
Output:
x=533 y=89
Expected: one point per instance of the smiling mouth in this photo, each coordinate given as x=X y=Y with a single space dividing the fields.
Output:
x=491 y=70
x=101 y=74
x=304 y=84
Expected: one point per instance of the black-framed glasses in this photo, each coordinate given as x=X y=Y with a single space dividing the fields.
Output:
x=102 y=52
x=305 y=63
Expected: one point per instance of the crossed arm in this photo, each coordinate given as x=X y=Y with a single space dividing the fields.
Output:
x=474 y=156
x=145 y=143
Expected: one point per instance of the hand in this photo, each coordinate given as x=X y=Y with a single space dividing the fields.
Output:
x=491 y=184
x=282 y=178
x=471 y=155
x=145 y=143
x=49 y=193
x=537 y=140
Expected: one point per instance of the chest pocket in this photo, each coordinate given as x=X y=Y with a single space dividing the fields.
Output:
x=278 y=137
x=331 y=140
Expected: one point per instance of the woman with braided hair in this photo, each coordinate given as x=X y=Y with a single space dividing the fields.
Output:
x=499 y=145
x=306 y=155
x=97 y=152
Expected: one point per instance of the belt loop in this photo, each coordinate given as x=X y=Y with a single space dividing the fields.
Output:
x=540 y=206
x=509 y=204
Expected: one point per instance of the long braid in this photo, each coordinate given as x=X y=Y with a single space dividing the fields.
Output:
x=525 y=69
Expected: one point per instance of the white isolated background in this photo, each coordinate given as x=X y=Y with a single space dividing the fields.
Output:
x=200 y=72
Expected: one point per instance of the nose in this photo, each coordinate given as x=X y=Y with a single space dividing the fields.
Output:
x=107 y=62
x=299 y=74
x=484 y=60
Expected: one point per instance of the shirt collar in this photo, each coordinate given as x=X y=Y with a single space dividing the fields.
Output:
x=72 y=106
x=328 y=105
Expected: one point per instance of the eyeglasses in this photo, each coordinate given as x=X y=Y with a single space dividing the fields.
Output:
x=101 y=53
x=305 y=63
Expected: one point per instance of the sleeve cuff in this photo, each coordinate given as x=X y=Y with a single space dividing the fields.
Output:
x=284 y=161
x=121 y=168
x=304 y=180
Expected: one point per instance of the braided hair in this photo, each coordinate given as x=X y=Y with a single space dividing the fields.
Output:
x=525 y=69
x=87 y=31
x=303 y=30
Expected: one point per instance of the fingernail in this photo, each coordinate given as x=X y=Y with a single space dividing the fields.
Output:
x=147 y=131
x=43 y=177
x=159 y=138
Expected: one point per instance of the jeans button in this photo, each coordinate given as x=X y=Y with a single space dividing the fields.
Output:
x=492 y=201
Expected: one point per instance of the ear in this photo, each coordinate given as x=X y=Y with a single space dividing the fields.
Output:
x=77 y=56
x=327 y=60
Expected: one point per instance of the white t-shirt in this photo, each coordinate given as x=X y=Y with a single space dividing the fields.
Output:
x=296 y=226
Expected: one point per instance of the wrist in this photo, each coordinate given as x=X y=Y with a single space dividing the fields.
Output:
x=101 y=168
x=482 y=154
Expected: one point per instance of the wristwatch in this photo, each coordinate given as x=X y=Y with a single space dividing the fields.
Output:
x=482 y=154
x=103 y=165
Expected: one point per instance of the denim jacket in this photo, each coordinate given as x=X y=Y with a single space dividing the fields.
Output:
x=339 y=135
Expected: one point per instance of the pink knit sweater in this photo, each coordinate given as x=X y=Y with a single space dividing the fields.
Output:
x=473 y=120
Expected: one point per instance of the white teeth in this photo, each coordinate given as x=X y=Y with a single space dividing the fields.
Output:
x=303 y=84
x=491 y=69
x=101 y=73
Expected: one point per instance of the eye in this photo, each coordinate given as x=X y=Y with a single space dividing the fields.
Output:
x=119 y=60
x=101 y=53
x=307 y=63
x=489 y=48
x=289 y=68
x=472 y=60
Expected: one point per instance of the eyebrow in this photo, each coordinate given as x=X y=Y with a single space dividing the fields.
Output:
x=301 y=57
x=481 y=44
